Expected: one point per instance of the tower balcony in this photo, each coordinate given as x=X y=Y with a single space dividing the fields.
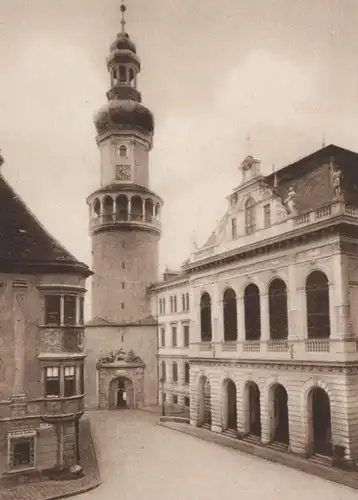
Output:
x=141 y=221
x=141 y=211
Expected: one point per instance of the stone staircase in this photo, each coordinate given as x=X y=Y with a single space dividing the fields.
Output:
x=231 y=433
x=321 y=460
x=250 y=438
x=275 y=445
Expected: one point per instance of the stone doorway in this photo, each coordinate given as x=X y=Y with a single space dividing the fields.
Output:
x=280 y=425
x=321 y=423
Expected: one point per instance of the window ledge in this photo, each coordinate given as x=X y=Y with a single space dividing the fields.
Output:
x=20 y=470
x=53 y=326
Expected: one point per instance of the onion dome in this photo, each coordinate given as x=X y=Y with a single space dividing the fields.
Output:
x=123 y=42
x=124 y=114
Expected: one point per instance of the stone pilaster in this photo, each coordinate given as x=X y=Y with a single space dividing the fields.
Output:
x=18 y=395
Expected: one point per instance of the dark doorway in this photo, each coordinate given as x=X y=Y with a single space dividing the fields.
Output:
x=122 y=396
x=281 y=426
x=231 y=405
x=230 y=315
x=254 y=410
x=321 y=423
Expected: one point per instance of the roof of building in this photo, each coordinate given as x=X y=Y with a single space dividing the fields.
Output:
x=117 y=187
x=25 y=242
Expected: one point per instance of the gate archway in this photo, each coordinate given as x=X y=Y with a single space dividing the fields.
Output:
x=121 y=394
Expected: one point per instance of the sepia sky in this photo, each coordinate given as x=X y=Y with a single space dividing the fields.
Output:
x=286 y=72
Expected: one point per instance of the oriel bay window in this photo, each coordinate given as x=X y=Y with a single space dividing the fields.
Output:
x=52 y=381
x=69 y=382
x=64 y=310
x=63 y=381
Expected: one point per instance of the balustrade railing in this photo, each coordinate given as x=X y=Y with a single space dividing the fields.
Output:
x=277 y=346
x=280 y=227
x=317 y=345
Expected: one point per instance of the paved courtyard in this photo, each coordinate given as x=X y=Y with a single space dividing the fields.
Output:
x=139 y=459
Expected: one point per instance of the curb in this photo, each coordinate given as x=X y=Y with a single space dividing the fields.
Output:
x=286 y=459
x=85 y=489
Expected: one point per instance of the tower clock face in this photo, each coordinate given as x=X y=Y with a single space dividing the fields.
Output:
x=123 y=173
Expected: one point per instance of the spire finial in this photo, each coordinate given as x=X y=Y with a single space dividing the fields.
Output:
x=248 y=143
x=323 y=141
x=123 y=21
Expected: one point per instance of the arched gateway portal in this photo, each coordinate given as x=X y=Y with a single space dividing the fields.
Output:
x=121 y=394
x=280 y=426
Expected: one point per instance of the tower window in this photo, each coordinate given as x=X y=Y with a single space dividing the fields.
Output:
x=122 y=74
x=122 y=286
x=123 y=151
x=123 y=265
x=122 y=305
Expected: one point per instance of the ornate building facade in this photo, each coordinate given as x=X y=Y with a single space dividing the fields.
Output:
x=42 y=290
x=273 y=349
x=125 y=227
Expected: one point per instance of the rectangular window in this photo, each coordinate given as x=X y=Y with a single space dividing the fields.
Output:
x=183 y=299
x=70 y=382
x=233 y=228
x=52 y=381
x=22 y=451
x=186 y=401
x=162 y=337
x=171 y=304
x=175 y=399
x=267 y=215
x=69 y=310
x=186 y=336
x=187 y=302
x=160 y=306
x=175 y=303
x=82 y=310
x=174 y=336
x=163 y=306
x=52 y=309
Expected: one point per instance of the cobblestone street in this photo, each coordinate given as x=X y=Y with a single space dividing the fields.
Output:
x=139 y=459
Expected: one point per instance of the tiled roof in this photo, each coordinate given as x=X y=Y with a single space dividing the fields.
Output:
x=24 y=241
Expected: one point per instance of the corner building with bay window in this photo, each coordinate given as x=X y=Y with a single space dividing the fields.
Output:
x=273 y=350
x=42 y=290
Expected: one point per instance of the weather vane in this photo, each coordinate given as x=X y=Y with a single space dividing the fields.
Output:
x=123 y=21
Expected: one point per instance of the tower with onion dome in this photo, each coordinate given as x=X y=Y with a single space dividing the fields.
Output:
x=125 y=223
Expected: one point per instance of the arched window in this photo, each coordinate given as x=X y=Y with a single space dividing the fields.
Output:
x=250 y=218
x=137 y=208
x=205 y=317
x=163 y=371
x=230 y=315
x=131 y=76
x=122 y=207
x=148 y=210
x=123 y=151
x=107 y=208
x=317 y=297
x=175 y=372
x=122 y=74
x=252 y=312
x=186 y=373
x=278 y=310
x=96 y=208
x=114 y=75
